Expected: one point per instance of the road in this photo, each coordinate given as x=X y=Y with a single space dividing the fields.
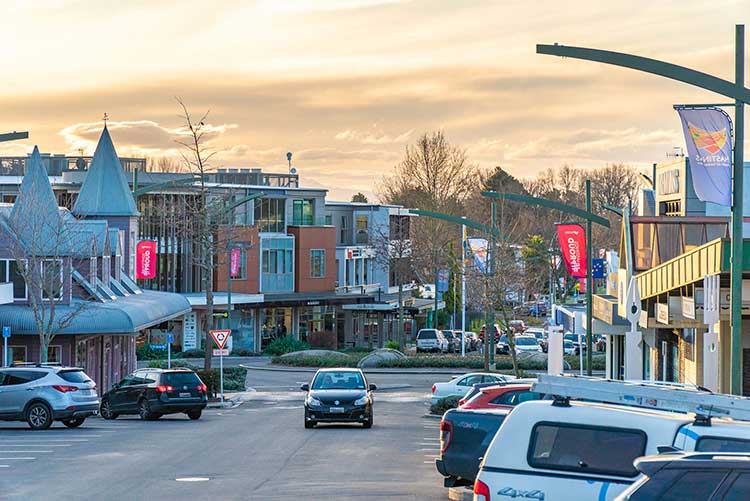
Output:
x=259 y=450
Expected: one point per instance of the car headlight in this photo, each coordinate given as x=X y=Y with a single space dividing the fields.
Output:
x=361 y=401
x=314 y=401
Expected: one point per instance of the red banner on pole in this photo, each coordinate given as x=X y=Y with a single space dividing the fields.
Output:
x=145 y=259
x=572 y=238
x=234 y=262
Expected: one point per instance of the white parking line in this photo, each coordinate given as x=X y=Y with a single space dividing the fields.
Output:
x=4 y=466
x=26 y=452
x=23 y=444
x=31 y=440
x=13 y=459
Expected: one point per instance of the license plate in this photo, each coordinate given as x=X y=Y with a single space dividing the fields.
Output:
x=184 y=395
x=337 y=410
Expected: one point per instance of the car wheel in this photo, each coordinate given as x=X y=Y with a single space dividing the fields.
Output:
x=144 y=410
x=73 y=423
x=105 y=410
x=194 y=414
x=368 y=423
x=39 y=416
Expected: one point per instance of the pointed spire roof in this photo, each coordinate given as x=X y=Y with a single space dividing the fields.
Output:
x=35 y=217
x=105 y=190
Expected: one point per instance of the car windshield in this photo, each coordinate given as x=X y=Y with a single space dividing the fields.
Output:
x=525 y=341
x=343 y=380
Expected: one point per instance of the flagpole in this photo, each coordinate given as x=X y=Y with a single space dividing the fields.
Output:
x=463 y=290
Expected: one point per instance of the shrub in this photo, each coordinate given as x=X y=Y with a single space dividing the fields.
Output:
x=146 y=352
x=194 y=353
x=319 y=361
x=444 y=404
x=286 y=344
x=242 y=352
x=325 y=340
x=392 y=345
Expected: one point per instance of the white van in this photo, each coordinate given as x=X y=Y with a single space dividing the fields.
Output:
x=573 y=451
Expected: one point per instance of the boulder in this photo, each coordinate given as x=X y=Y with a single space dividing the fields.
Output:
x=377 y=356
x=315 y=353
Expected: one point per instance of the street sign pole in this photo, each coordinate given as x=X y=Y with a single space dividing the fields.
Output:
x=220 y=338
x=221 y=377
x=6 y=335
x=170 y=339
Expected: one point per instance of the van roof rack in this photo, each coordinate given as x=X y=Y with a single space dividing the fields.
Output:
x=659 y=396
x=36 y=364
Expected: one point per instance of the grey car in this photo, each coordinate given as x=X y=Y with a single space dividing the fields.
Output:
x=41 y=394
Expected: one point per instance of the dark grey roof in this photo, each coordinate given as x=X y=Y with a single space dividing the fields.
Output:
x=35 y=218
x=125 y=315
x=105 y=190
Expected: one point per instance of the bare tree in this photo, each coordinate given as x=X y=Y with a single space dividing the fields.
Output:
x=163 y=164
x=434 y=176
x=44 y=244
x=204 y=227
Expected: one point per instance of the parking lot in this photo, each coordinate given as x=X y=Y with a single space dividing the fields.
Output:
x=258 y=450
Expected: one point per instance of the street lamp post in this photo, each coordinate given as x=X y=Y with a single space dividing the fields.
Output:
x=735 y=90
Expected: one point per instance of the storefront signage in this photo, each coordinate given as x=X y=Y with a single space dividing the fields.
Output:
x=662 y=313
x=312 y=303
x=234 y=262
x=145 y=259
x=190 y=331
x=688 y=307
x=572 y=238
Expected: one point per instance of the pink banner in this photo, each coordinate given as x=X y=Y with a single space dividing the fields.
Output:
x=234 y=262
x=145 y=259
x=572 y=238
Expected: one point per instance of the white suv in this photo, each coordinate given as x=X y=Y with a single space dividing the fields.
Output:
x=431 y=340
x=41 y=394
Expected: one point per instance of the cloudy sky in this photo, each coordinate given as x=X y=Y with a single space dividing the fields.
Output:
x=347 y=84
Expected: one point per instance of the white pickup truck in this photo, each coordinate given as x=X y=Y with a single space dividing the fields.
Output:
x=566 y=450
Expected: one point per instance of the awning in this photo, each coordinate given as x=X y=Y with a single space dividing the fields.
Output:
x=125 y=315
x=313 y=299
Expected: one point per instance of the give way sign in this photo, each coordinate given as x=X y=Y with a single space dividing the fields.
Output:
x=221 y=337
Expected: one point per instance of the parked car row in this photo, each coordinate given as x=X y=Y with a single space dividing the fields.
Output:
x=540 y=446
x=41 y=394
x=446 y=341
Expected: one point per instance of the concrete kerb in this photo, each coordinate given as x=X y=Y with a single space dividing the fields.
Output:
x=453 y=372
x=460 y=494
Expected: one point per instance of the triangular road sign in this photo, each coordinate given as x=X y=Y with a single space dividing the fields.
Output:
x=220 y=337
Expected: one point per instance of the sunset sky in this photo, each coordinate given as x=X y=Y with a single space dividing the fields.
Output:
x=347 y=84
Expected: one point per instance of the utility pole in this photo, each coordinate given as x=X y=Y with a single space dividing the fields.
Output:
x=489 y=332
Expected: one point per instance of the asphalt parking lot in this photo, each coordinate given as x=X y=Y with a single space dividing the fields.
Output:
x=259 y=450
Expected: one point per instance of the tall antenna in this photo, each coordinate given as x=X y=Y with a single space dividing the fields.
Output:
x=105 y=119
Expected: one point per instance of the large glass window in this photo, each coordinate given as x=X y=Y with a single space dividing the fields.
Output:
x=362 y=235
x=344 y=231
x=52 y=273
x=277 y=264
x=694 y=484
x=722 y=444
x=303 y=212
x=9 y=273
x=586 y=449
x=317 y=263
x=269 y=215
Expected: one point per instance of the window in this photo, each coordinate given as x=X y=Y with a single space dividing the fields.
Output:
x=585 y=449
x=269 y=215
x=694 y=485
x=722 y=444
x=362 y=233
x=317 y=263
x=740 y=489
x=302 y=212
x=329 y=220
x=515 y=397
x=9 y=273
x=17 y=353
x=470 y=380
x=92 y=270
x=14 y=377
x=54 y=353
x=344 y=231
x=180 y=378
x=52 y=278
x=338 y=380
x=74 y=376
x=242 y=264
